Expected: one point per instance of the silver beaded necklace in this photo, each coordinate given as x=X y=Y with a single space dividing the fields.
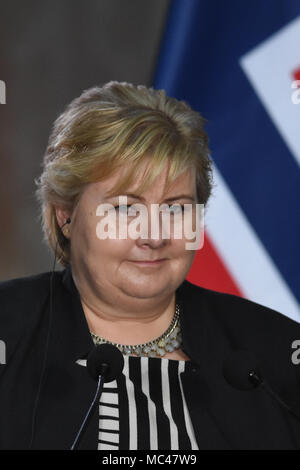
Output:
x=169 y=341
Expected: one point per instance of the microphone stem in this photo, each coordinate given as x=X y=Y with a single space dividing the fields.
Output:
x=89 y=413
x=276 y=397
x=257 y=380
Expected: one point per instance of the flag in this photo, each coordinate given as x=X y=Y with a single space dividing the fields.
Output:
x=238 y=64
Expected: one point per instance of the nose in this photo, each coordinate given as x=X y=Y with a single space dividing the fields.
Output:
x=151 y=242
x=155 y=233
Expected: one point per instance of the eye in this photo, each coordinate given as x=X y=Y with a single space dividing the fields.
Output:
x=124 y=209
x=176 y=208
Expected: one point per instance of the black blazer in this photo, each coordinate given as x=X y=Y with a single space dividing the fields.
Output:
x=213 y=324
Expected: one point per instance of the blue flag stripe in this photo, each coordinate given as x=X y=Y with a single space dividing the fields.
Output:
x=200 y=63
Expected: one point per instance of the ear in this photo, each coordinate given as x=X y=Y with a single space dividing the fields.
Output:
x=62 y=215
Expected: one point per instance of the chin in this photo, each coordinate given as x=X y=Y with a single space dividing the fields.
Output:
x=145 y=290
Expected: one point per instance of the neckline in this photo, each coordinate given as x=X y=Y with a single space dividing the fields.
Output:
x=84 y=346
x=159 y=359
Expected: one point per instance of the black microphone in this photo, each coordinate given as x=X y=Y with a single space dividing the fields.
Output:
x=105 y=360
x=105 y=363
x=241 y=370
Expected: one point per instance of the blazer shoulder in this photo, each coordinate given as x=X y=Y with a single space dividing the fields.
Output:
x=232 y=322
x=30 y=286
x=22 y=299
x=239 y=311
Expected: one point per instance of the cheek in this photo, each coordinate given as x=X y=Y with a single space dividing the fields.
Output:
x=83 y=234
x=105 y=260
x=192 y=231
x=181 y=257
x=185 y=254
x=110 y=252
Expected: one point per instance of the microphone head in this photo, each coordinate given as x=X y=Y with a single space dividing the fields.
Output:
x=241 y=370
x=105 y=360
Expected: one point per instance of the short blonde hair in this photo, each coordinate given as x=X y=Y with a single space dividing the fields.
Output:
x=116 y=126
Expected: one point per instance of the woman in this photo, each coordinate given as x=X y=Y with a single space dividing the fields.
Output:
x=128 y=143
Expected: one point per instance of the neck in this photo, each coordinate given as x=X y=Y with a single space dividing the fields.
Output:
x=125 y=320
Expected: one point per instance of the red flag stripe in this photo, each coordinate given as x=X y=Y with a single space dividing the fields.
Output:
x=296 y=74
x=209 y=271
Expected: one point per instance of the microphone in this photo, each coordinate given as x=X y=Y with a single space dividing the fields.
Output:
x=105 y=363
x=105 y=360
x=241 y=371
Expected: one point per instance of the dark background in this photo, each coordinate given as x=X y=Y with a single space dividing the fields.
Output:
x=50 y=51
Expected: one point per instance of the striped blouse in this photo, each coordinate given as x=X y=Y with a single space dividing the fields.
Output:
x=145 y=408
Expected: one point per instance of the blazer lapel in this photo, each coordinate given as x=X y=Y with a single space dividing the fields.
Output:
x=222 y=416
x=208 y=432
x=68 y=389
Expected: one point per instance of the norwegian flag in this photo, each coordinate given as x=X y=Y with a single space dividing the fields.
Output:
x=238 y=64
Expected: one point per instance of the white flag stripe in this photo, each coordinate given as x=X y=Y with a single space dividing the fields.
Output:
x=244 y=255
x=167 y=404
x=133 y=439
x=268 y=68
x=188 y=424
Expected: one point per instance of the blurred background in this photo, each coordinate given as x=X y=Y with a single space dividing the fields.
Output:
x=50 y=52
x=236 y=62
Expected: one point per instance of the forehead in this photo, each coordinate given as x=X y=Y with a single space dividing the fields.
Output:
x=186 y=182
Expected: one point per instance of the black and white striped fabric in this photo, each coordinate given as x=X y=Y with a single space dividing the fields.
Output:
x=146 y=409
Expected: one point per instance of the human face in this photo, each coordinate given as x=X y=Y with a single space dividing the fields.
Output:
x=139 y=268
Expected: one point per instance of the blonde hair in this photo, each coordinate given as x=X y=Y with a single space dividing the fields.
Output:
x=116 y=126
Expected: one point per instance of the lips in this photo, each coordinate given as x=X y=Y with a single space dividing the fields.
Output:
x=149 y=262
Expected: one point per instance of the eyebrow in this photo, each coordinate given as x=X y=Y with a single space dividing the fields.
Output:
x=169 y=199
